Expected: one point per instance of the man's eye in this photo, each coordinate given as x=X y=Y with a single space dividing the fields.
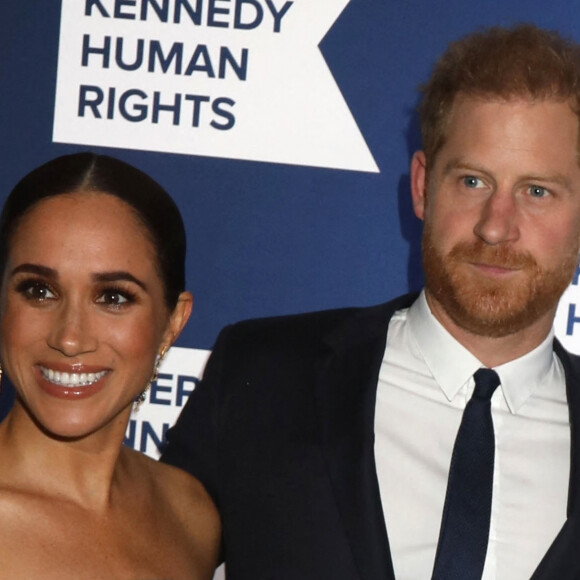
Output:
x=472 y=182
x=538 y=191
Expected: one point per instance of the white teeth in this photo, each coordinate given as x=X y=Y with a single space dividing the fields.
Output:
x=71 y=379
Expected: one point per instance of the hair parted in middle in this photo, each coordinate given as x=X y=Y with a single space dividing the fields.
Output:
x=88 y=172
x=523 y=61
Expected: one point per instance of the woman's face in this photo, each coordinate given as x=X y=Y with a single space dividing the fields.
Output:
x=82 y=313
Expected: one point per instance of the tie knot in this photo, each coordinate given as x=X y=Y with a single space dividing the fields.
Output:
x=486 y=382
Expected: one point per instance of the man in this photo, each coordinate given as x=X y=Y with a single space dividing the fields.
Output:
x=326 y=438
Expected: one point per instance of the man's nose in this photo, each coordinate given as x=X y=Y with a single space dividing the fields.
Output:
x=498 y=219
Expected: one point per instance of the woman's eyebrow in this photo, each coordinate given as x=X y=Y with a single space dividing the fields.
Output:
x=35 y=269
x=114 y=276
x=117 y=276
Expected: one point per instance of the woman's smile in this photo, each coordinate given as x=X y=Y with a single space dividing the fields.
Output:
x=71 y=379
x=71 y=385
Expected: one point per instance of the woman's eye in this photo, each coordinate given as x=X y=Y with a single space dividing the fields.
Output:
x=472 y=182
x=538 y=191
x=114 y=298
x=37 y=291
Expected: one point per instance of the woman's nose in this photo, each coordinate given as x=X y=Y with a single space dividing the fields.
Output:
x=72 y=332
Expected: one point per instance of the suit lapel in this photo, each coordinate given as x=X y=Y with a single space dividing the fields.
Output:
x=562 y=560
x=345 y=399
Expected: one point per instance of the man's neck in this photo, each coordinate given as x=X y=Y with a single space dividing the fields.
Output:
x=493 y=351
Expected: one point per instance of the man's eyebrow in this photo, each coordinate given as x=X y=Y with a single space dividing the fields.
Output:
x=554 y=178
x=559 y=178
x=117 y=276
x=35 y=269
x=457 y=163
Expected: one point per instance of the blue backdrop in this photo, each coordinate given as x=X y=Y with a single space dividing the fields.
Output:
x=267 y=238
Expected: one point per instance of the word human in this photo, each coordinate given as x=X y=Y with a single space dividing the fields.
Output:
x=178 y=58
x=237 y=14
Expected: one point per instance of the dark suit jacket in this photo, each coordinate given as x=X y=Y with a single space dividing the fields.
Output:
x=280 y=431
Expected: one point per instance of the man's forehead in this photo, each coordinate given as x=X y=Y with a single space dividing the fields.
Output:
x=525 y=98
x=466 y=106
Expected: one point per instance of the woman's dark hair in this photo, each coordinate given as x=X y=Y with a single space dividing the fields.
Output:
x=88 y=172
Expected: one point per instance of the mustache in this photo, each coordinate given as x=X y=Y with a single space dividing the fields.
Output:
x=500 y=256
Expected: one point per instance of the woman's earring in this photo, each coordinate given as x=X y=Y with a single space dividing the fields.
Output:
x=143 y=394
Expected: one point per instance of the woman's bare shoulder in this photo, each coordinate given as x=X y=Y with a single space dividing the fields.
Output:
x=180 y=493
x=171 y=479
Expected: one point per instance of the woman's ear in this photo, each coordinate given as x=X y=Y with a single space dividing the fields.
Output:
x=178 y=319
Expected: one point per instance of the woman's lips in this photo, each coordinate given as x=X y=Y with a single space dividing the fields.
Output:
x=70 y=384
x=71 y=379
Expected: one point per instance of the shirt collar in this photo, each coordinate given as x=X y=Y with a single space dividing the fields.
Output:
x=452 y=365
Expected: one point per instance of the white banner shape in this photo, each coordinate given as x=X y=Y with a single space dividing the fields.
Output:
x=238 y=79
x=567 y=321
x=179 y=374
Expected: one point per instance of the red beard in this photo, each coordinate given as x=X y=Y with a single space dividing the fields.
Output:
x=492 y=307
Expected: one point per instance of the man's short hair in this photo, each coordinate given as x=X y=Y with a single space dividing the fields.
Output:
x=522 y=62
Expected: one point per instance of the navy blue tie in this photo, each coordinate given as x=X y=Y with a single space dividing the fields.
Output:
x=465 y=524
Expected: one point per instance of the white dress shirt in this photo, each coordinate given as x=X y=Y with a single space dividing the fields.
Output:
x=425 y=381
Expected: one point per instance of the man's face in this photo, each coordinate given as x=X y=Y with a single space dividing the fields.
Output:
x=501 y=207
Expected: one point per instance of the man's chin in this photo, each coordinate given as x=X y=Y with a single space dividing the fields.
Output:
x=495 y=310
x=491 y=318
x=493 y=305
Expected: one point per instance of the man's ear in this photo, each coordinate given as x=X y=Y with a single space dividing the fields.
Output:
x=419 y=183
x=178 y=319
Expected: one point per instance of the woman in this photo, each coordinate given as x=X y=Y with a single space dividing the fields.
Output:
x=92 y=295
